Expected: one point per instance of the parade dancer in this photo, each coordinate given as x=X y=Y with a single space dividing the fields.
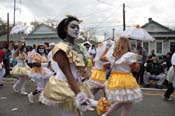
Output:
x=52 y=64
x=39 y=73
x=122 y=88
x=19 y=70
x=65 y=90
x=98 y=76
x=171 y=79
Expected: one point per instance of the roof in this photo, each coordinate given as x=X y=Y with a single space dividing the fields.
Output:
x=151 y=21
x=12 y=37
x=40 y=28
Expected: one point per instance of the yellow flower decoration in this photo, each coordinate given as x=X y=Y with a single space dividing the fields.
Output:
x=103 y=105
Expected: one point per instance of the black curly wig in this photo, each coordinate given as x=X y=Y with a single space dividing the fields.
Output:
x=63 y=24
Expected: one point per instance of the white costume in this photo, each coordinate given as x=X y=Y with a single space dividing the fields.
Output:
x=57 y=91
x=2 y=71
x=19 y=70
x=54 y=65
x=122 y=86
x=98 y=76
x=171 y=73
x=40 y=74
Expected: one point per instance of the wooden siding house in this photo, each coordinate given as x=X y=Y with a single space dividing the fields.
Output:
x=164 y=38
x=42 y=33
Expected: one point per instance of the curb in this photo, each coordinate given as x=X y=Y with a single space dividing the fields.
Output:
x=145 y=89
x=9 y=79
x=153 y=89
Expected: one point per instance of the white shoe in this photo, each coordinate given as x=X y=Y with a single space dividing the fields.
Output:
x=104 y=114
x=14 y=89
x=90 y=109
x=24 y=92
x=30 y=97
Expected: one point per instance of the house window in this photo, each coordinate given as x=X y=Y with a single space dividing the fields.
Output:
x=159 y=47
x=133 y=46
x=146 y=46
x=172 y=47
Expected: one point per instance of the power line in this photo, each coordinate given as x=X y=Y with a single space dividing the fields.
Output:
x=95 y=27
x=108 y=17
x=105 y=3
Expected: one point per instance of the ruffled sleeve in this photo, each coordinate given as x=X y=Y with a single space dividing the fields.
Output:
x=109 y=54
x=127 y=58
x=72 y=55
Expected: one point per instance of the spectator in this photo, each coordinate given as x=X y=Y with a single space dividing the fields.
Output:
x=13 y=60
x=7 y=59
x=46 y=44
x=92 y=51
x=52 y=64
x=87 y=45
x=154 y=70
x=133 y=48
x=153 y=53
x=141 y=59
x=168 y=60
x=30 y=52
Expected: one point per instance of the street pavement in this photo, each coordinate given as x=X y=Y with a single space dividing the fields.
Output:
x=13 y=104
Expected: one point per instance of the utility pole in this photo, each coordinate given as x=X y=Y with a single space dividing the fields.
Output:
x=113 y=32
x=105 y=34
x=124 y=17
x=8 y=29
x=14 y=12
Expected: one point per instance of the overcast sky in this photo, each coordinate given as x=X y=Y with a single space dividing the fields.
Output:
x=103 y=15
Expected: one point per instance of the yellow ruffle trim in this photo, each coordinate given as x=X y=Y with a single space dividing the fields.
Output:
x=119 y=80
x=90 y=63
x=98 y=75
x=103 y=105
x=18 y=70
x=60 y=90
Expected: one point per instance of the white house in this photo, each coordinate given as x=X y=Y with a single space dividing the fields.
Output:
x=164 y=38
x=42 y=33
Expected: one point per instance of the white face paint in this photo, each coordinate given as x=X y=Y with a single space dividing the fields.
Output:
x=73 y=29
x=41 y=50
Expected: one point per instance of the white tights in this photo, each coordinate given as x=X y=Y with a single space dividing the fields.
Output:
x=126 y=109
x=20 y=84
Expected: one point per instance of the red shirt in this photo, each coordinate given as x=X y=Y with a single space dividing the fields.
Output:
x=2 y=55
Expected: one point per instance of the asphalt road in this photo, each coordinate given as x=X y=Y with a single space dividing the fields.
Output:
x=13 y=104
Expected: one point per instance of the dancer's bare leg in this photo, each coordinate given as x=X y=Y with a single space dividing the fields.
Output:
x=127 y=108
x=114 y=107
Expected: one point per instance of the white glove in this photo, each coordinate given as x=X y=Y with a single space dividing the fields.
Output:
x=44 y=64
x=0 y=66
x=82 y=101
x=108 y=44
x=173 y=83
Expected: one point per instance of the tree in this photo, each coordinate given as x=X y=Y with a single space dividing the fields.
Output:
x=35 y=23
x=51 y=22
x=3 y=27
